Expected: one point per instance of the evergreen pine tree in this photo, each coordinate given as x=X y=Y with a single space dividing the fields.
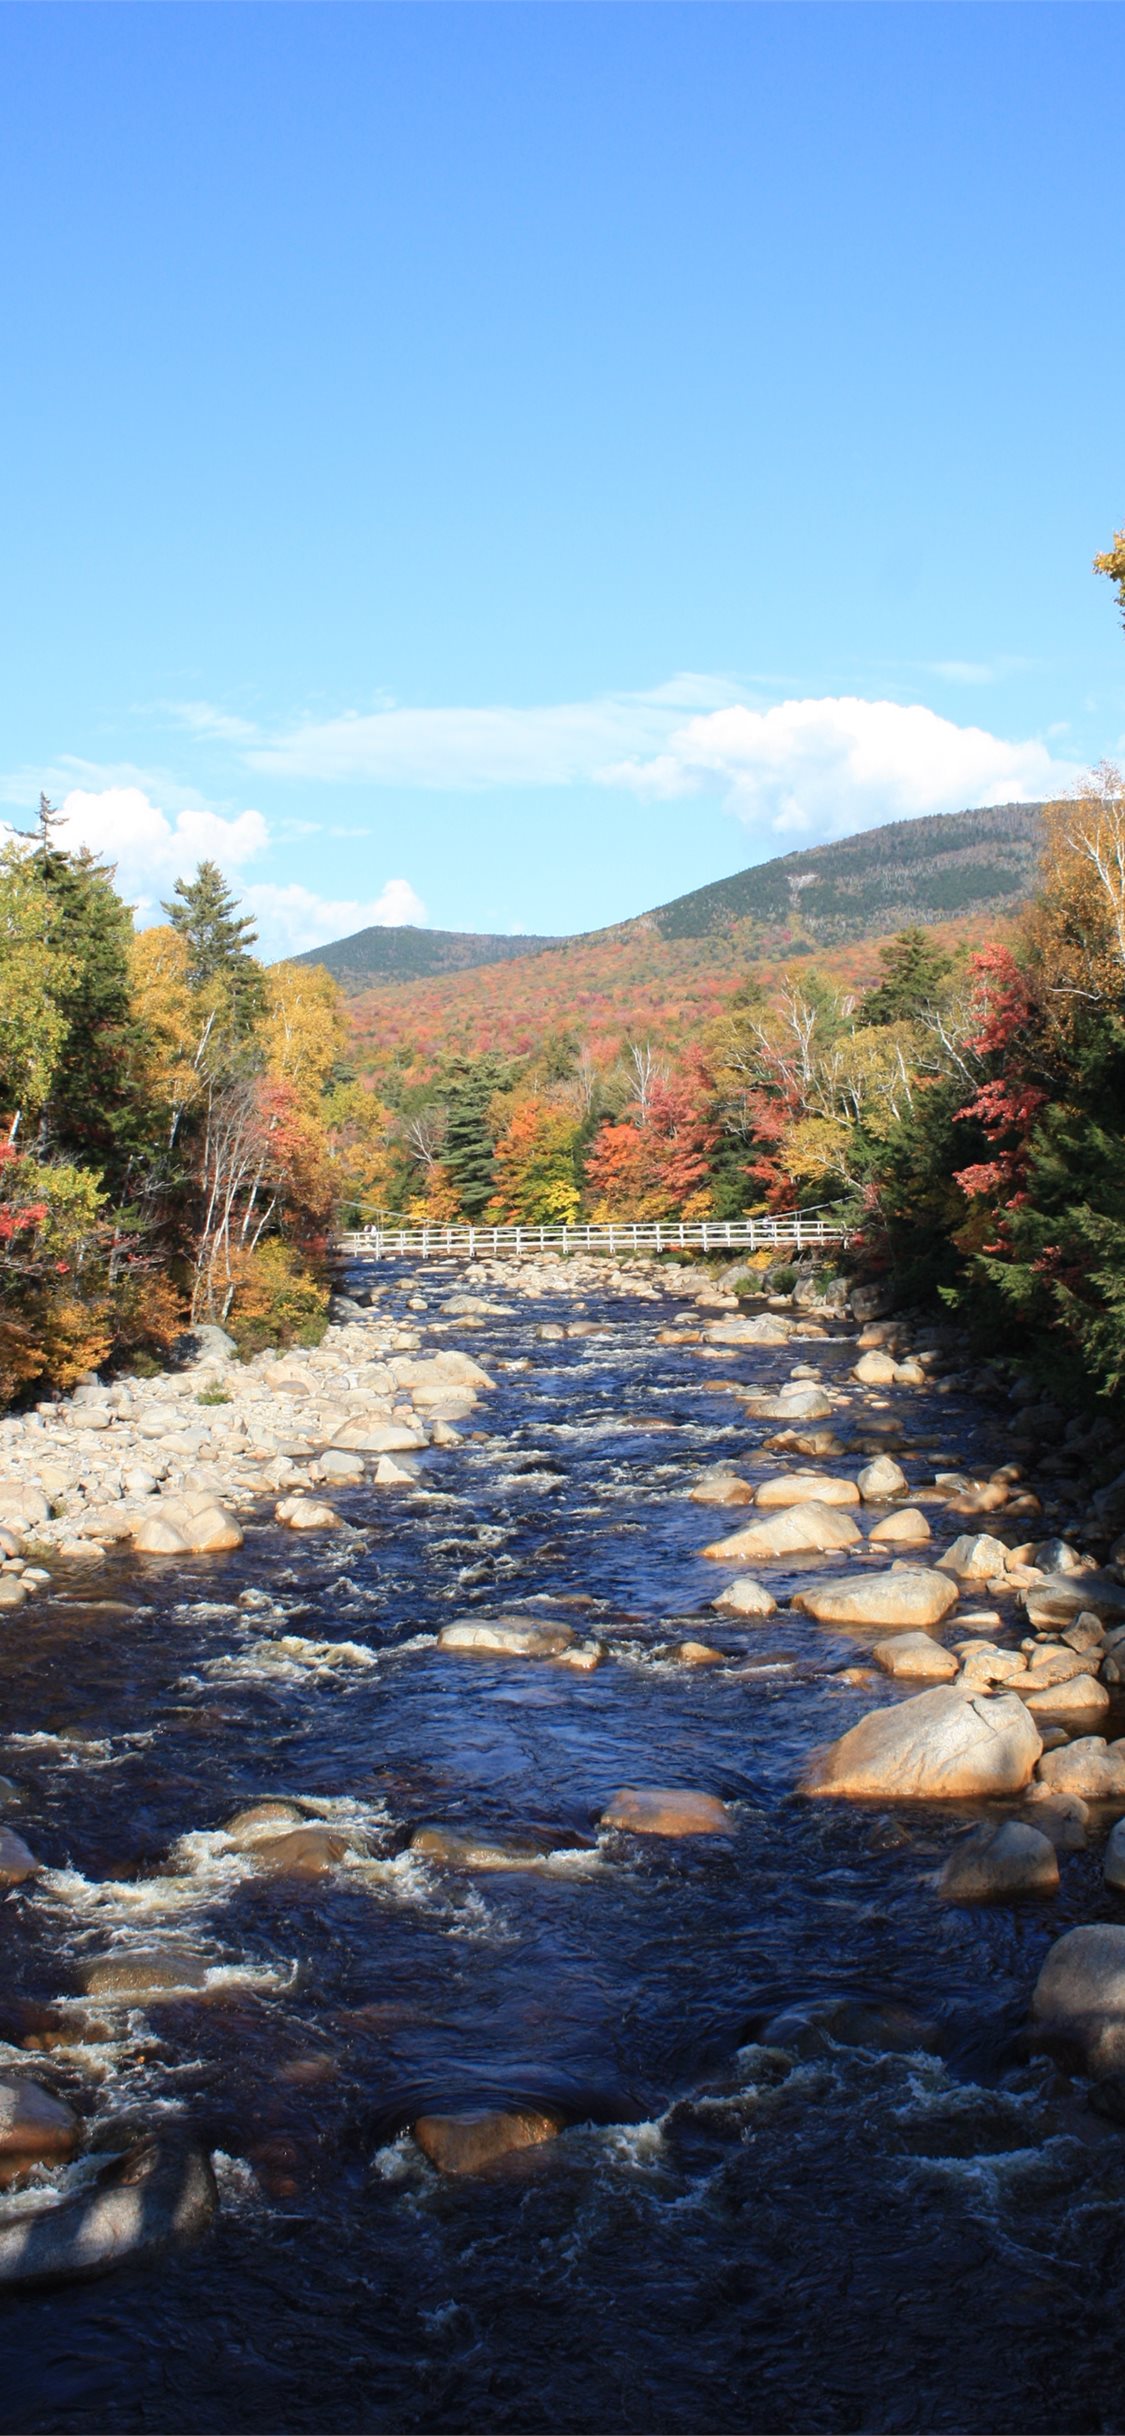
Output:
x=94 y=1110
x=203 y=910
x=467 y=1152
x=913 y=972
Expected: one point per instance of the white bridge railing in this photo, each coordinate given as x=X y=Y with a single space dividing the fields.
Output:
x=799 y=1231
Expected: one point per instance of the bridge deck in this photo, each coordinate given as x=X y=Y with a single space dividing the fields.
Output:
x=800 y=1232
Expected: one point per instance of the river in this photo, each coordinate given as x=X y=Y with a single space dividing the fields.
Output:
x=911 y=2223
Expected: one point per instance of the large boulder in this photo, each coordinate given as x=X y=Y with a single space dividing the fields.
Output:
x=666 y=1810
x=912 y=1657
x=160 y=2195
x=799 y=1488
x=1081 y=1697
x=469 y=2143
x=994 y=1864
x=496 y=1638
x=794 y=1530
x=765 y=1328
x=745 y=1597
x=1079 y=1995
x=799 y=1402
x=906 y=1595
x=183 y=1526
x=939 y=1746
x=379 y=1437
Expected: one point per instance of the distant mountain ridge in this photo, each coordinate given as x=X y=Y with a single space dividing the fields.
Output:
x=939 y=868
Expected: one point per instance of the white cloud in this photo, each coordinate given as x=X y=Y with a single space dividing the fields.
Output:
x=150 y=851
x=830 y=766
x=544 y=745
x=291 y=918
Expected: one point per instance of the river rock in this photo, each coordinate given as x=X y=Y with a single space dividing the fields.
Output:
x=262 y=1819
x=452 y=1849
x=305 y=1852
x=906 y=1595
x=500 y=1639
x=797 y=1403
x=720 y=1487
x=306 y=1514
x=1089 y=1766
x=698 y=1653
x=993 y=1864
x=339 y=1463
x=1081 y=1696
x=149 y=1971
x=907 y=1527
x=975 y=1557
x=391 y=1475
x=666 y=1810
x=1061 y=1598
x=939 y=1746
x=34 y=2126
x=913 y=1658
x=469 y=2143
x=801 y=1488
x=159 y=2195
x=23 y=1503
x=379 y=1438
x=882 y=1478
x=1113 y=1864
x=875 y=1370
x=745 y=1597
x=17 y=1861
x=1080 y=1995
x=156 y=1536
x=810 y=1527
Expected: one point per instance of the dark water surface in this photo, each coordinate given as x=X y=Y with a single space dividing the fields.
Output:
x=810 y=2234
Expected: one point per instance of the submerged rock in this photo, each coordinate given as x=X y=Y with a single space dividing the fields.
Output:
x=666 y=1810
x=469 y=2143
x=994 y=1864
x=159 y=2195
x=305 y=1852
x=719 y=1487
x=262 y=1818
x=148 y=1971
x=939 y=1746
x=698 y=1653
x=452 y=1848
x=502 y=1639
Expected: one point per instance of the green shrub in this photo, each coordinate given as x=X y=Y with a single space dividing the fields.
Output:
x=782 y=1281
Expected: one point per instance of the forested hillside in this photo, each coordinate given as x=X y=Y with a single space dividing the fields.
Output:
x=950 y=865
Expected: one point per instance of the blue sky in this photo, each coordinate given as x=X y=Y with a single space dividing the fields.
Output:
x=521 y=462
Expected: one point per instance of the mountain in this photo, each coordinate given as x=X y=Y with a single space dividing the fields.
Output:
x=665 y=976
x=949 y=866
x=403 y=952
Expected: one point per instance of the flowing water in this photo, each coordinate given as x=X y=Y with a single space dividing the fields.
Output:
x=885 y=2214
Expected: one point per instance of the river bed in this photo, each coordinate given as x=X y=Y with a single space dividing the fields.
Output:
x=907 y=2221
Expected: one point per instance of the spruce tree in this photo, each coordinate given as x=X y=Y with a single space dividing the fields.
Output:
x=913 y=972
x=467 y=1152
x=204 y=911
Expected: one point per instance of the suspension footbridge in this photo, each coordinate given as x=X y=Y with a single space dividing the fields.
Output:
x=796 y=1231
